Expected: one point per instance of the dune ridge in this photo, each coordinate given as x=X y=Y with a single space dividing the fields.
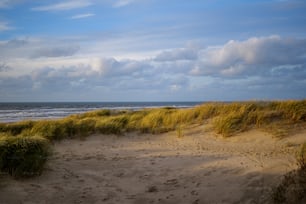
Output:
x=215 y=153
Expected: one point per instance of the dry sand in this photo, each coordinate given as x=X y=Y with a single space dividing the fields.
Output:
x=140 y=169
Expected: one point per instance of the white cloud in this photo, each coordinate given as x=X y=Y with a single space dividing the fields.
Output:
x=67 y=5
x=86 y=15
x=121 y=3
x=4 y=26
x=178 y=54
x=263 y=56
x=255 y=56
x=252 y=68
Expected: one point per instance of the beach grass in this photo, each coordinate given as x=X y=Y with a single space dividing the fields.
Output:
x=227 y=119
x=292 y=188
x=23 y=156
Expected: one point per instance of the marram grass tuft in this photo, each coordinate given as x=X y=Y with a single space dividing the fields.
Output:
x=23 y=156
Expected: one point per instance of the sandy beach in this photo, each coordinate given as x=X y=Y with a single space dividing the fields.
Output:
x=199 y=167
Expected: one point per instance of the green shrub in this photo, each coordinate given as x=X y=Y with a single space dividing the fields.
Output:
x=16 y=128
x=23 y=156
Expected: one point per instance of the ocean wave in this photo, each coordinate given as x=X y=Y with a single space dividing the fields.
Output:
x=13 y=112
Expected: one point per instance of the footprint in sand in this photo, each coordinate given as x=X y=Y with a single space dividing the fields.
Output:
x=119 y=175
x=207 y=173
x=197 y=201
x=35 y=185
x=171 y=182
x=130 y=197
x=58 y=188
x=194 y=193
x=152 y=189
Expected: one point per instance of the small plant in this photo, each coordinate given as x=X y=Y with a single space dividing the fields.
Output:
x=228 y=125
x=157 y=121
x=301 y=157
x=112 y=125
x=292 y=188
x=23 y=156
x=179 y=131
x=85 y=127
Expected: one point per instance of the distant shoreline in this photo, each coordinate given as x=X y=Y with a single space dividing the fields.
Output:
x=19 y=111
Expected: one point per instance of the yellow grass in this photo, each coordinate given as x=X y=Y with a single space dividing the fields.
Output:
x=228 y=119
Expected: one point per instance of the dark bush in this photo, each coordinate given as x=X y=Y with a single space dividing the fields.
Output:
x=23 y=156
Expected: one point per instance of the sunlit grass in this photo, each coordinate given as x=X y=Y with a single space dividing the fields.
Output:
x=15 y=128
x=227 y=119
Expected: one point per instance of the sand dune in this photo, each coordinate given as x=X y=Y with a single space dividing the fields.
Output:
x=200 y=167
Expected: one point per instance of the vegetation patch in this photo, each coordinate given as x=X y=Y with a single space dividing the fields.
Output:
x=23 y=156
x=228 y=119
x=292 y=188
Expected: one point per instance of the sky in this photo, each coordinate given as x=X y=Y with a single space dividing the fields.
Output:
x=152 y=50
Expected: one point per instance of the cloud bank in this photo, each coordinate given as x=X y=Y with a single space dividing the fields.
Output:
x=259 y=67
x=255 y=56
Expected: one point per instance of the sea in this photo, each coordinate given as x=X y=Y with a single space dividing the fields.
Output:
x=13 y=112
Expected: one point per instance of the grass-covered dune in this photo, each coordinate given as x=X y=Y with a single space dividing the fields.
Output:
x=25 y=146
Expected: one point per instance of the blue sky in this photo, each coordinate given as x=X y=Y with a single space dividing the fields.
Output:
x=152 y=50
